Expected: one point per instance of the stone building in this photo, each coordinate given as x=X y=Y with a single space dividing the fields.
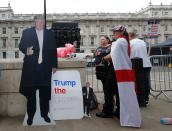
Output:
x=92 y=25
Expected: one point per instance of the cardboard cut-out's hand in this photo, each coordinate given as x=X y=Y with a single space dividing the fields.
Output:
x=30 y=50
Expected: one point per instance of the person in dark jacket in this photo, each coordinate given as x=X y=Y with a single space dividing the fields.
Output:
x=39 y=47
x=110 y=89
x=87 y=97
x=101 y=51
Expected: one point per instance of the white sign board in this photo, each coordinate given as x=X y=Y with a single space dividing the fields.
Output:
x=153 y=28
x=66 y=96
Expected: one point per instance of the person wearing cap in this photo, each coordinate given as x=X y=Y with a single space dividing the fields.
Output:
x=138 y=49
x=120 y=54
x=39 y=47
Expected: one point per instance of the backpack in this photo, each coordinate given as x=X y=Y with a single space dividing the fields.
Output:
x=94 y=103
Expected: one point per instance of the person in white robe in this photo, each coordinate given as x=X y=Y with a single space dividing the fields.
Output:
x=120 y=53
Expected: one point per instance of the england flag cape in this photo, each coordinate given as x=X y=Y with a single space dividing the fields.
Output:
x=129 y=108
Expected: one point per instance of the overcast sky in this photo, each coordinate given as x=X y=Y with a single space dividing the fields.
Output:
x=79 y=6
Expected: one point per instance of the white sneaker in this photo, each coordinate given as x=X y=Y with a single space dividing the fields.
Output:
x=89 y=115
x=85 y=115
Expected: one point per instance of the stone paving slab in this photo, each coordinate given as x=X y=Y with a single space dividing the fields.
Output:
x=151 y=121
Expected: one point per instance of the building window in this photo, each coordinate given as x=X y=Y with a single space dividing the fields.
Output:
x=166 y=13
x=92 y=40
x=92 y=30
x=81 y=42
x=4 y=43
x=16 y=43
x=8 y=15
x=166 y=27
x=16 y=54
x=166 y=37
x=129 y=26
x=16 y=30
x=102 y=29
x=3 y=16
x=144 y=28
x=4 y=30
x=155 y=13
x=4 y=55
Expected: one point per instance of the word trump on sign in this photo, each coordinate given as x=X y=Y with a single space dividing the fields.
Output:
x=65 y=83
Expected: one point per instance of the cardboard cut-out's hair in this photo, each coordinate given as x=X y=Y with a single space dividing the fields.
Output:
x=40 y=17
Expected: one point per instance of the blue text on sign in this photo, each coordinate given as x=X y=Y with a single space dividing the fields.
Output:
x=64 y=83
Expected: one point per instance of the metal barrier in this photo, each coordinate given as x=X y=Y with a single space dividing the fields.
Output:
x=91 y=76
x=161 y=75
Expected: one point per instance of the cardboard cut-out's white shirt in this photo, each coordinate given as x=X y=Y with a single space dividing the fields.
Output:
x=68 y=105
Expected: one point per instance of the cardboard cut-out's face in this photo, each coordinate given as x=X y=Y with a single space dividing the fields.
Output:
x=39 y=24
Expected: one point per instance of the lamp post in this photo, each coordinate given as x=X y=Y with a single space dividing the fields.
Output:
x=45 y=13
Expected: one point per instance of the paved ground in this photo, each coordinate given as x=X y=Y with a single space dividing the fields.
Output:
x=151 y=121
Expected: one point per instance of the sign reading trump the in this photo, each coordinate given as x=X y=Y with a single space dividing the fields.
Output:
x=66 y=96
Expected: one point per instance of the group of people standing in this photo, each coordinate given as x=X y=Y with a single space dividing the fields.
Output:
x=118 y=77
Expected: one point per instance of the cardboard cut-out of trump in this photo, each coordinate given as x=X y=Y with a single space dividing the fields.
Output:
x=39 y=47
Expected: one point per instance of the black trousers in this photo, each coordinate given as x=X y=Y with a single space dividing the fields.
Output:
x=31 y=99
x=147 y=81
x=103 y=80
x=111 y=89
x=31 y=104
x=87 y=106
